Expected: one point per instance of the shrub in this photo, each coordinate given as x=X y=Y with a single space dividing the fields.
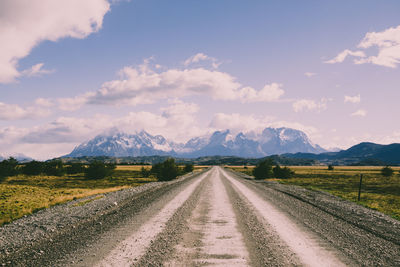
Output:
x=33 y=168
x=165 y=171
x=188 y=168
x=284 y=172
x=54 y=168
x=8 y=167
x=99 y=170
x=330 y=168
x=75 y=168
x=145 y=172
x=263 y=169
x=387 y=171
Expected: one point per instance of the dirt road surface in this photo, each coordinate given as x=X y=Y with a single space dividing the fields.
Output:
x=220 y=218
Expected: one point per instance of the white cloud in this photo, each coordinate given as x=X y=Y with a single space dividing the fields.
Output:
x=73 y=103
x=310 y=74
x=342 y=56
x=352 y=99
x=254 y=124
x=308 y=104
x=15 y=112
x=239 y=123
x=44 y=102
x=388 y=44
x=143 y=85
x=360 y=113
x=177 y=122
x=36 y=70
x=394 y=137
x=270 y=92
x=201 y=57
x=25 y=24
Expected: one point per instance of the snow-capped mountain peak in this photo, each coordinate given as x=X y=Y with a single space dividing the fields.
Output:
x=270 y=141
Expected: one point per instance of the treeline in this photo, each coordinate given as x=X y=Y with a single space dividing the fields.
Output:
x=163 y=171
x=95 y=170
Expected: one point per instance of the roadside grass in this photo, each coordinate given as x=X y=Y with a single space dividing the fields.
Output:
x=378 y=193
x=21 y=195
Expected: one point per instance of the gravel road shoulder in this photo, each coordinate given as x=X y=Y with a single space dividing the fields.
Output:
x=365 y=236
x=42 y=238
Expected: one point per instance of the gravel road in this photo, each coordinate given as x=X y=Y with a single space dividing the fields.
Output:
x=216 y=217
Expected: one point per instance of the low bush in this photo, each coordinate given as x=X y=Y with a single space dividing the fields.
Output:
x=145 y=172
x=188 y=168
x=282 y=173
x=387 y=171
x=165 y=171
x=263 y=169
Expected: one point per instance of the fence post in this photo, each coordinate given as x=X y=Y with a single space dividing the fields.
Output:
x=359 y=187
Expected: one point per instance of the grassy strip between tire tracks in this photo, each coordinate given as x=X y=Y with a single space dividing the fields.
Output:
x=378 y=193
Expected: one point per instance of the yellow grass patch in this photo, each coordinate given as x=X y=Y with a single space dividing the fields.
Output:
x=378 y=192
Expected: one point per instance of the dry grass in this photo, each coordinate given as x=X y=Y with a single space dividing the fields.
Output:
x=132 y=167
x=22 y=195
x=379 y=193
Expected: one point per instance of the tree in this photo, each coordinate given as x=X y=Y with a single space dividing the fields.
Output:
x=33 y=168
x=75 y=168
x=8 y=167
x=188 y=167
x=99 y=170
x=284 y=172
x=54 y=168
x=166 y=171
x=387 y=171
x=330 y=167
x=263 y=169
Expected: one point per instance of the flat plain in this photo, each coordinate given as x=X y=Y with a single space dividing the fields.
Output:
x=377 y=192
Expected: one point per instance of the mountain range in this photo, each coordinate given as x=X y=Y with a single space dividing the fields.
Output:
x=270 y=141
x=365 y=153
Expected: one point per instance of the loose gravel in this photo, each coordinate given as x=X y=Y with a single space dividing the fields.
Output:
x=361 y=235
x=36 y=239
x=81 y=235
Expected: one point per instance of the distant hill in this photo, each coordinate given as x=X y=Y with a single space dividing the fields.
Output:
x=362 y=154
x=222 y=143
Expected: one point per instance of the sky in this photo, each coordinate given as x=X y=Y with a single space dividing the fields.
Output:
x=72 y=69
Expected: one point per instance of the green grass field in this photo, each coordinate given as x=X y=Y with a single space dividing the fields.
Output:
x=379 y=193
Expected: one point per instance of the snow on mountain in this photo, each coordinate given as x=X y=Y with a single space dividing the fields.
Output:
x=270 y=141
x=124 y=145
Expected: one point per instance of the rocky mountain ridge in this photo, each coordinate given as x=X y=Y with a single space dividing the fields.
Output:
x=223 y=143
